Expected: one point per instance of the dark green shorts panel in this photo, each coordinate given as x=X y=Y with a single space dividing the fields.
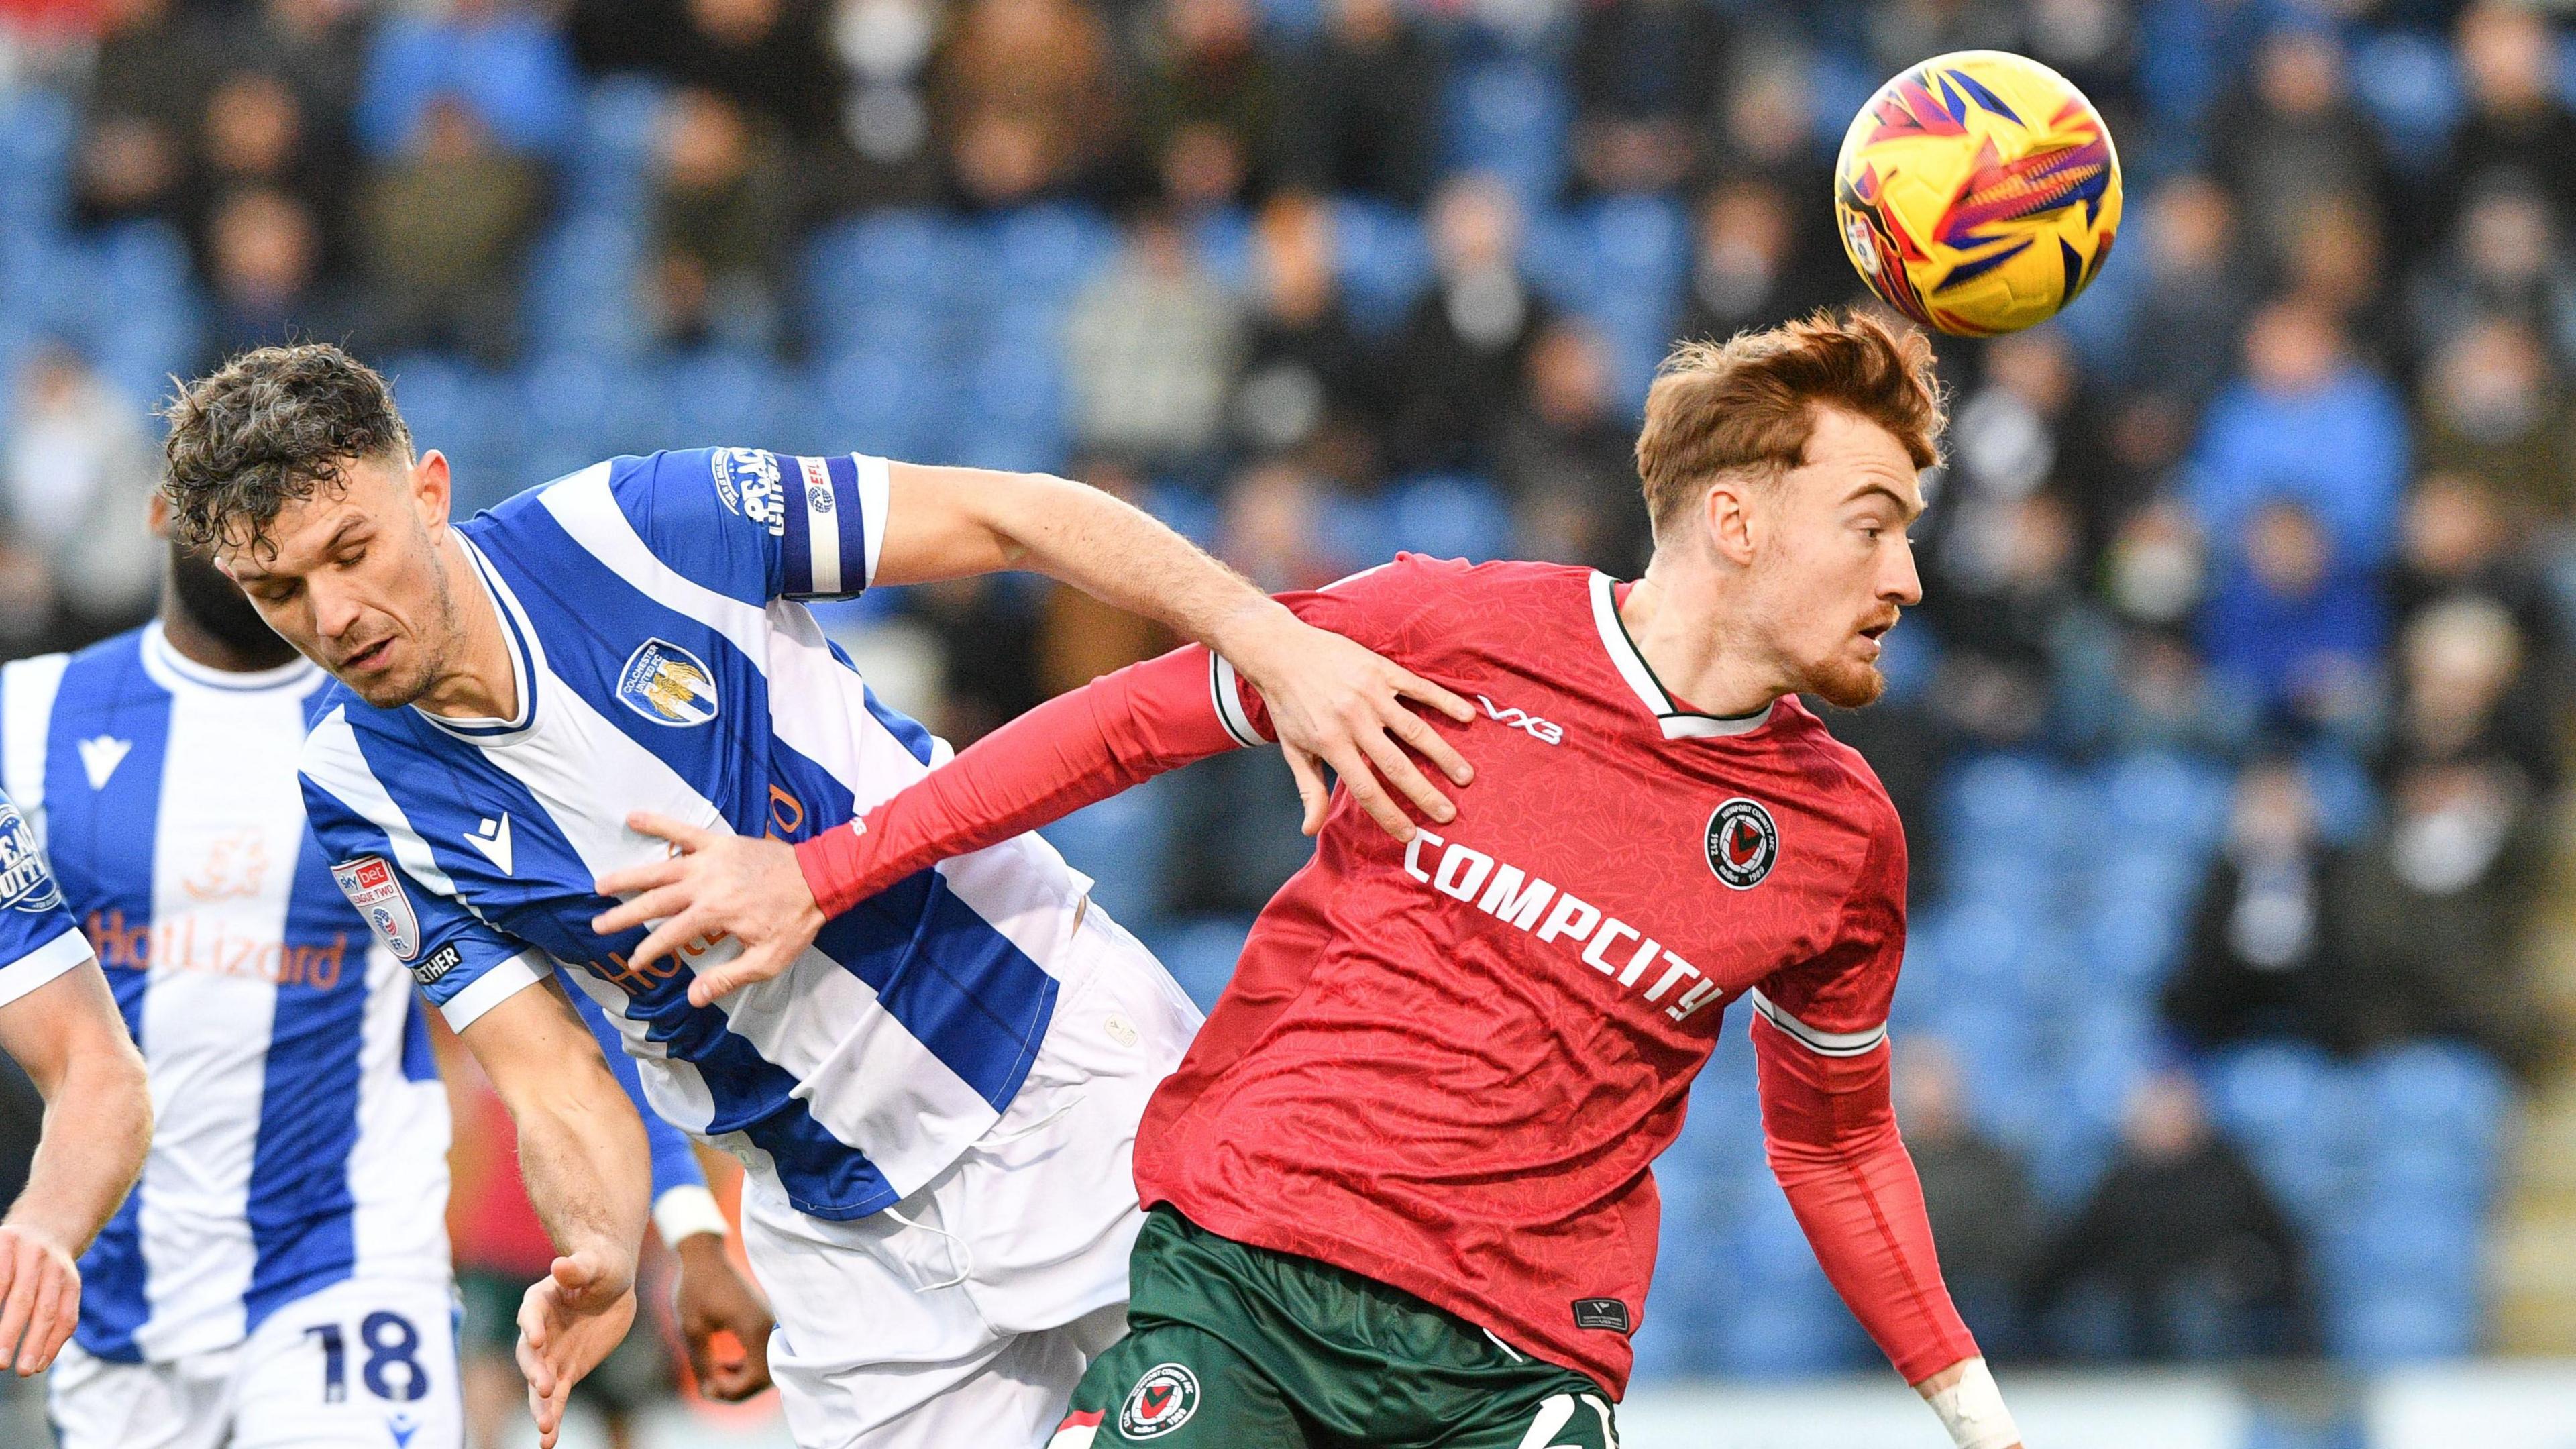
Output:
x=1270 y=1349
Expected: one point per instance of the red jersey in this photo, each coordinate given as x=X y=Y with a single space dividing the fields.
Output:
x=1447 y=1065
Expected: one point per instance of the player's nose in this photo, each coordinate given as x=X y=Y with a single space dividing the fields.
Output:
x=1901 y=584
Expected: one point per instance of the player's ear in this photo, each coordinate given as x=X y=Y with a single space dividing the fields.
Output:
x=1726 y=519
x=156 y=514
x=432 y=489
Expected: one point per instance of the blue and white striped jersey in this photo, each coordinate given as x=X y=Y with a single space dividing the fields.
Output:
x=38 y=939
x=301 y=1132
x=661 y=664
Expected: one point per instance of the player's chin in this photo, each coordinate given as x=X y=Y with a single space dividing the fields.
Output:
x=1847 y=684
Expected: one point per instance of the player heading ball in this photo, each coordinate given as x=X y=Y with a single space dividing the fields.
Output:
x=1412 y=1146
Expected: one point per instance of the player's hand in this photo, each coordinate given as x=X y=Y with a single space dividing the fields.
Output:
x=1333 y=700
x=718 y=884
x=568 y=1321
x=39 y=1296
x=723 y=1320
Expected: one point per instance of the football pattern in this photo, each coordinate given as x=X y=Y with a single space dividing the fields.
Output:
x=1978 y=193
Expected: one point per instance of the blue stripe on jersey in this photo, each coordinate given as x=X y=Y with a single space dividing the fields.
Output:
x=103 y=854
x=822 y=1175
x=797 y=552
x=299 y=1202
x=419 y=1063
x=681 y=519
x=898 y=724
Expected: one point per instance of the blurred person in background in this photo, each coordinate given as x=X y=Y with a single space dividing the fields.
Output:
x=2460 y=541
x=1974 y=1190
x=1747 y=268
x=2308 y=423
x=2254 y=962
x=2197 y=291
x=1365 y=102
x=1464 y=345
x=1646 y=76
x=2181 y=1241
x=1308 y=379
x=2506 y=258
x=2494 y=411
x=765 y=57
x=2335 y=265
x=1903 y=32
x=76 y=477
x=146 y=94
x=884 y=48
x=1150 y=350
x=2295 y=134
x=444 y=221
x=500 y=62
x=2298 y=624
x=1023 y=99
x=1565 y=455
x=265 y=283
x=1767 y=131
x=2518 y=131
x=256 y=136
x=1208 y=104
x=719 y=215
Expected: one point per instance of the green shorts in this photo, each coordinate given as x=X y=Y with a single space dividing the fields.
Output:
x=1236 y=1347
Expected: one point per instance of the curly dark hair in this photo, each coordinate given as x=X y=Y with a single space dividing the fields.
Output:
x=267 y=429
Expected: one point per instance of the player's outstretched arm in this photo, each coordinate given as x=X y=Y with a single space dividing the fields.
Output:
x=1079 y=747
x=583 y=1156
x=1331 y=699
x=98 y=1125
x=1829 y=1129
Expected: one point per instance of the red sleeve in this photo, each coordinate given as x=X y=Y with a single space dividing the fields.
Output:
x=1119 y=730
x=1820 y=1038
x=1087 y=745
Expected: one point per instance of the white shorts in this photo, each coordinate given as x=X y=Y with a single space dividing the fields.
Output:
x=964 y=1315
x=367 y=1362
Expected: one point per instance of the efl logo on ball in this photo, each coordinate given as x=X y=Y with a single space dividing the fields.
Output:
x=1162 y=1401
x=1742 y=843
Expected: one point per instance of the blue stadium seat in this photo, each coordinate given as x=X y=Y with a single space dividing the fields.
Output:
x=1122 y=843
x=2410 y=83
x=2165 y=797
x=37 y=127
x=1223 y=241
x=884 y=257
x=575 y=403
x=2291 y=1109
x=1450 y=515
x=1046 y=253
x=2005 y=806
x=722 y=398
x=582 y=287
x=1509 y=116
x=881 y=400
x=1382 y=258
x=612 y=147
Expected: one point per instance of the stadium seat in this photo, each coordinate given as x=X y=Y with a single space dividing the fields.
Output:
x=2291 y=1109
x=2410 y=84
x=1446 y=515
x=722 y=398
x=1046 y=253
x=1508 y=117
x=1382 y=258
x=1122 y=843
x=880 y=400
x=38 y=125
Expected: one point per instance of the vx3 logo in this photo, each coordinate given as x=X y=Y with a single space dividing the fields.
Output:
x=1546 y=732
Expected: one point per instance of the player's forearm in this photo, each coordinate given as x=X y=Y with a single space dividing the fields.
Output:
x=1073 y=750
x=98 y=1126
x=588 y=1171
x=1121 y=555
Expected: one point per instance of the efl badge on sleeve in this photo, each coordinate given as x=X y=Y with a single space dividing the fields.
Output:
x=25 y=883
x=667 y=685
x=1742 y=843
x=376 y=889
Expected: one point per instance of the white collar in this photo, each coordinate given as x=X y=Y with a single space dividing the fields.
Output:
x=1677 y=723
x=527 y=661
x=176 y=672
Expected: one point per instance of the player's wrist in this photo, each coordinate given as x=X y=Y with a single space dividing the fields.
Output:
x=1972 y=1408
x=688 y=1219
x=829 y=862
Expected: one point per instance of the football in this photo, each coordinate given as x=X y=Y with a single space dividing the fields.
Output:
x=1978 y=193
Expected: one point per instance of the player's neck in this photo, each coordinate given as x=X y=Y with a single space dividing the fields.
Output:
x=478 y=682
x=1680 y=624
x=206 y=628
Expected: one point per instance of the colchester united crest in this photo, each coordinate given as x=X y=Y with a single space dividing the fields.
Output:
x=1162 y=1401
x=667 y=685
x=1742 y=843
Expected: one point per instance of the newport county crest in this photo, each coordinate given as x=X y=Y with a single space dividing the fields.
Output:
x=1742 y=843
x=1162 y=1401
x=667 y=685
x=25 y=884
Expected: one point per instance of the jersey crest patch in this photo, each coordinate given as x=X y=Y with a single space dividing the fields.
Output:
x=376 y=889
x=668 y=685
x=25 y=883
x=747 y=483
x=1742 y=843
x=1162 y=1401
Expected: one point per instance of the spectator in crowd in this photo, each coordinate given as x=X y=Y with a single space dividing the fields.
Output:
x=2296 y=135
x=1747 y=267
x=318 y=47
x=2335 y=265
x=1974 y=1189
x=1023 y=99
x=2194 y=1257
x=444 y=222
x=1769 y=132
x=257 y=134
x=2254 y=963
x=1464 y=345
x=264 y=251
x=2196 y=293
x=2459 y=542
x=1309 y=379
x=1646 y=74
x=1366 y=98
x=500 y=63
x=147 y=91
x=1565 y=454
x=765 y=57
x=1208 y=104
x=885 y=48
x=76 y=475
x=2466 y=695
x=2505 y=258
x=2517 y=133
x=2298 y=625
x=1150 y=350
x=720 y=214
x=2307 y=423
x=2494 y=412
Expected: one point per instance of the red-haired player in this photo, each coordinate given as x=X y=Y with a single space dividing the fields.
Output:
x=1399 y=1188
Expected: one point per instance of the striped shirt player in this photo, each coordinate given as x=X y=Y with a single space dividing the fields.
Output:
x=281 y=1272
x=935 y=1103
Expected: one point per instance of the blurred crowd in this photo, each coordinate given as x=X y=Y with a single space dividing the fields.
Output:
x=2249 y=582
